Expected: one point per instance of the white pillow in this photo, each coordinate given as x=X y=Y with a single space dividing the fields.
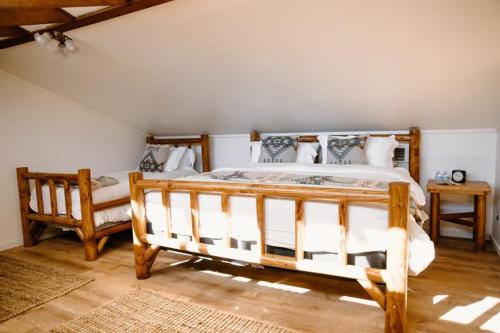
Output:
x=380 y=150
x=307 y=152
x=174 y=159
x=187 y=160
x=255 y=151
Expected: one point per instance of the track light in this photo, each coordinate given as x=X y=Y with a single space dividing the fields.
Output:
x=65 y=43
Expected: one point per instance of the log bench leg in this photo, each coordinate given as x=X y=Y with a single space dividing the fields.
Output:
x=480 y=221
x=435 y=216
x=90 y=248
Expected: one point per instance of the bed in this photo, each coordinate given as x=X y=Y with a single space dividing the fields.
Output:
x=68 y=201
x=358 y=222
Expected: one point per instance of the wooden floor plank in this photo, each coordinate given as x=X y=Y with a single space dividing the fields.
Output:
x=304 y=302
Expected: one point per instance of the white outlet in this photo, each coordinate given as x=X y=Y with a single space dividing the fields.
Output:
x=497 y=216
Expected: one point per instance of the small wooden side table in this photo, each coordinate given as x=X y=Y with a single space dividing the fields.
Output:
x=480 y=191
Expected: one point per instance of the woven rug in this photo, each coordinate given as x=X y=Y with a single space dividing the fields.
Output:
x=146 y=311
x=24 y=286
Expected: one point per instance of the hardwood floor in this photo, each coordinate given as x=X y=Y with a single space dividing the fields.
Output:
x=460 y=292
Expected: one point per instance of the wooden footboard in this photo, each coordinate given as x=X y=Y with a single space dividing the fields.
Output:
x=394 y=276
x=33 y=223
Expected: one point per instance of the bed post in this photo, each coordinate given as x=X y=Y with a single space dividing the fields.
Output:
x=88 y=224
x=397 y=258
x=414 y=160
x=205 y=152
x=24 y=204
x=144 y=254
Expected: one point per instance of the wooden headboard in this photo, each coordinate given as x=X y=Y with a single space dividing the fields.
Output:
x=412 y=138
x=201 y=140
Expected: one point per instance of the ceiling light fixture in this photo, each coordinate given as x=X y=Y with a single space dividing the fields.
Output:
x=65 y=44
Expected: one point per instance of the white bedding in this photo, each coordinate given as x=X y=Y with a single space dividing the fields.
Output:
x=367 y=222
x=118 y=191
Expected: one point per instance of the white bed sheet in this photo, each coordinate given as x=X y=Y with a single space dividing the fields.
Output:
x=367 y=222
x=118 y=191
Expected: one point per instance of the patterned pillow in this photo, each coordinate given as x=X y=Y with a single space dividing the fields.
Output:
x=278 y=149
x=154 y=158
x=348 y=150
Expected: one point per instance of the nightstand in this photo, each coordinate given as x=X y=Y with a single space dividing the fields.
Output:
x=480 y=191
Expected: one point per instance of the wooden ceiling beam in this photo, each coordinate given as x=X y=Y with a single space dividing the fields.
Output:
x=10 y=17
x=31 y=4
x=84 y=20
x=13 y=31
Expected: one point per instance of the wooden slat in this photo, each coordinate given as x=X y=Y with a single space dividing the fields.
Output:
x=226 y=210
x=59 y=220
x=12 y=31
x=113 y=229
x=53 y=197
x=10 y=17
x=55 y=176
x=299 y=229
x=195 y=217
x=111 y=204
x=39 y=197
x=261 y=241
x=286 y=191
x=343 y=232
x=23 y=4
x=165 y=197
x=84 y=20
x=67 y=198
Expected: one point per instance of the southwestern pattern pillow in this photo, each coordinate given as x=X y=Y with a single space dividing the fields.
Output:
x=278 y=149
x=349 y=150
x=154 y=158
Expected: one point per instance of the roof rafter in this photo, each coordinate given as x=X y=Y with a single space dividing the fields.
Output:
x=12 y=31
x=27 y=4
x=10 y=17
x=84 y=20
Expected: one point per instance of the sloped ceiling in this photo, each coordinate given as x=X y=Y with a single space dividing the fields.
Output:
x=229 y=66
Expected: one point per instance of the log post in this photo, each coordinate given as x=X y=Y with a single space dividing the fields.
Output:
x=397 y=258
x=87 y=208
x=205 y=152
x=24 y=205
x=142 y=264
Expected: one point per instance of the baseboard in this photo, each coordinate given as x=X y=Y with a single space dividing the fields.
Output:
x=10 y=244
x=495 y=245
x=18 y=242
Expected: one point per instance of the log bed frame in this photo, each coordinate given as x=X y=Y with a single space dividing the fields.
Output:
x=93 y=239
x=392 y=298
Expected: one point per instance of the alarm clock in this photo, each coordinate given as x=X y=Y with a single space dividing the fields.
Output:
x=458 y=176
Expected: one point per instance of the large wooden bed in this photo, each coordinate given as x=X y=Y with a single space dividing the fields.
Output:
x=93 y=238
x=387 y=286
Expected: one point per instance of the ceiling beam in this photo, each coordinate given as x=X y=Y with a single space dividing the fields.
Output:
x=10 y=17
x=84 y=20
x=13 y=31
x=31 y=4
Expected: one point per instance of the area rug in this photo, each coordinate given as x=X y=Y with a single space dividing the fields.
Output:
x=24 y=285
x=145 y=311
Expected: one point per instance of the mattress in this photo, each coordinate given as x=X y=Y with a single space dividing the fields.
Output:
x=118 y=191
x=367 y=222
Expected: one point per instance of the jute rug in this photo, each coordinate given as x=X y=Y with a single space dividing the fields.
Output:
x=146 y=311
x=24 y=286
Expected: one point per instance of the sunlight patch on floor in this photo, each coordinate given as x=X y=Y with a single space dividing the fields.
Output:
x=492 y=324
x=282 y=286
x=468 y=313
x=216 y=273
x=438 y=298
x=241 y=279
x=358 y=300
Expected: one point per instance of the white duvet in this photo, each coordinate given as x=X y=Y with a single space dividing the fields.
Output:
x=118 y=191
x=367 y=222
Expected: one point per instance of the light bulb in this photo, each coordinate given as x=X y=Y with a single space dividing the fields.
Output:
x=68 y=43
x=40 y=39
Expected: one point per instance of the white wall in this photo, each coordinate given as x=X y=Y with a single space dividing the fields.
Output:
x=473 y=150
x=47 y=133
x=495 y=235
